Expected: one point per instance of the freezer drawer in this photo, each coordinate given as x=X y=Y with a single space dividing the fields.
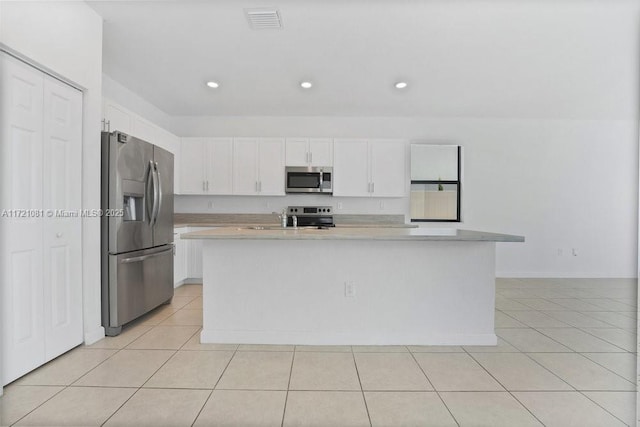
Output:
x=138 y=282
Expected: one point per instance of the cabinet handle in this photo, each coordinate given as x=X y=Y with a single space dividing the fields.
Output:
x=311 y=157
x=260 y=186
x=207 y=186
x=204 y=188
x=373 y=187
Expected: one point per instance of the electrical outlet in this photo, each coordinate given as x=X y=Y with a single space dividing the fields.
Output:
x=210 y=205
x=574 y=252
x=339 y=205
x=381 y=205
x=349 y=289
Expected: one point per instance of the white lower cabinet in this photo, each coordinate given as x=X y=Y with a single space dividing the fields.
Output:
x=40 y=246
x=194 y=264
x=179 y=256
x=188 y=256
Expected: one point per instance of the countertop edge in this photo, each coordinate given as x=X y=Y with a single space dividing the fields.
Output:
x=354 y=233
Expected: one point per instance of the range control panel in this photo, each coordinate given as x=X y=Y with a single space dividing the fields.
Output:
x=310 y=210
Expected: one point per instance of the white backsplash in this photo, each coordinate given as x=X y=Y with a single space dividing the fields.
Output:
x=268 y=204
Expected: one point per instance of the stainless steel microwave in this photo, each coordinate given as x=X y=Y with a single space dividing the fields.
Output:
x=310 y=179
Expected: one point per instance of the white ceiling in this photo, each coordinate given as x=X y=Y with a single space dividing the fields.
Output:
x=462 y=58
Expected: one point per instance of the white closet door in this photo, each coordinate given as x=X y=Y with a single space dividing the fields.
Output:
x=62 y=146
x=21 y=237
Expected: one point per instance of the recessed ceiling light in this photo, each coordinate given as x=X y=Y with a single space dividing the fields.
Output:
x=306 y=85
x=401 y=85
x=213 y=84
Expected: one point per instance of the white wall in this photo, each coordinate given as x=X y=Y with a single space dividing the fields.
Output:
x=563 y=184
x=66 y=39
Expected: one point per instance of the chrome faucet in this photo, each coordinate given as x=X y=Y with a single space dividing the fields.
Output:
x=283 y=217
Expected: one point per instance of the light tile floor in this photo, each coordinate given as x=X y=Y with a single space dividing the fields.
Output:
x=565 y=357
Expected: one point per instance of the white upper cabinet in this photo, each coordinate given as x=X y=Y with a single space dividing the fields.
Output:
x=351 y=168
x=387 y=168
x=245 y=166
x=369 y=168
x=206 y=166
x=192 y=173
x=309 y=152
x=258 y=166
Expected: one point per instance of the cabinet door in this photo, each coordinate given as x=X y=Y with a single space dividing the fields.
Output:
x=118 y=118
x=271 y=166
x=62 y=160
x=179 y=256
x=297 y=152
x=21 y=254
x=388 y=168
x=192 y=176
x=195 y=255
x=350 y=168
x=245 y=166
x=219 y=166
x=321 y=151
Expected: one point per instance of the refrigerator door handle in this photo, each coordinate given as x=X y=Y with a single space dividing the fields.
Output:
x=159 y=194
x=154 y=208
x=144 y=257
x=149 y=206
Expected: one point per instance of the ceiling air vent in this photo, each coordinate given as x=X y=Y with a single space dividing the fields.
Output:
x=263 y=19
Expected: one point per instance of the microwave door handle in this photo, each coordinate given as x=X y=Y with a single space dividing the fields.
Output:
x=321 y=181
x=160 y=193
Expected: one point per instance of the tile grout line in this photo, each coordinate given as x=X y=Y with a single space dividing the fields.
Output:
x=586 y=332
x=606 y=340
x=434 y=388
x=138 y=388
x=535 y=361
x=364 y=398
x=215 y=385
x=40 y=405
x=286 y=396
x=156 y=371
x=203 y=405
x=503 y=386
x=603 y=408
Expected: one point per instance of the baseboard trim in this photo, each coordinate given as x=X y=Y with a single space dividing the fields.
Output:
x=94 y=336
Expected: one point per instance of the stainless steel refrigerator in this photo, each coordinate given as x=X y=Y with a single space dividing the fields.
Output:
x=137 y=229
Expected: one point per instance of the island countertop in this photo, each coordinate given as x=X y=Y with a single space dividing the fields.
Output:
x=344 y=233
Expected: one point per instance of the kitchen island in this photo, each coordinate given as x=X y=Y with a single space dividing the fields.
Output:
x=349 y=286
